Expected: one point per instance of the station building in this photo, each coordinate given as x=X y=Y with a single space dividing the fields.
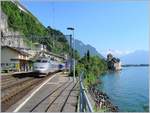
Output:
x=13 y=59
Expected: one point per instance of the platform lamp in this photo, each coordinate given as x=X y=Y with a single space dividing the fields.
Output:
x=72 y=29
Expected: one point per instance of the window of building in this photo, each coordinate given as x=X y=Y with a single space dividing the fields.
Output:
x=2 y=64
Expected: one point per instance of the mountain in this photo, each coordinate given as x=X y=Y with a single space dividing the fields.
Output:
x=83 y=48
x=136 y=57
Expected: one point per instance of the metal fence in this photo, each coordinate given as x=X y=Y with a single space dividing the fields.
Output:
x=85 y=105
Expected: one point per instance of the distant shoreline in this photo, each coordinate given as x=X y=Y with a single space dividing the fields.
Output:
x=135 y=65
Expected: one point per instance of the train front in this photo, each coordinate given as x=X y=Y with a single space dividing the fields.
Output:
x=41 y=66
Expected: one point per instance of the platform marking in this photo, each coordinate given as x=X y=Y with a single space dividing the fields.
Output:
x=31 y=95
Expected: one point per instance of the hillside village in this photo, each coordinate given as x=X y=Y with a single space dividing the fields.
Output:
x=16 y=54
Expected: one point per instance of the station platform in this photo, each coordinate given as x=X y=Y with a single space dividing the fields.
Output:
x=12 y=73
x=59 y=93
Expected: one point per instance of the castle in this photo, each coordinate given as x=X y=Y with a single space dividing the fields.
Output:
x=113 y=63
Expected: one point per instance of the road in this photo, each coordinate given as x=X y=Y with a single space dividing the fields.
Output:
x=57 y=94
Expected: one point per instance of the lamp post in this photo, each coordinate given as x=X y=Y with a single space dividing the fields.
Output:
x=72 y=29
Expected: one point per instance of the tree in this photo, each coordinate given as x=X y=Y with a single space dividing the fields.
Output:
x=77 y=55
x=88 y=55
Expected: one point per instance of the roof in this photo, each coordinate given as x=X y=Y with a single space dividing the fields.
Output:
x=49 y=53
x=109 y=55
x=20 y=59
x=17 y=50
x=53 y=54
x=56 y=55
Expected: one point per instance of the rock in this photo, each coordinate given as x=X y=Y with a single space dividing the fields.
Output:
x=102 y=100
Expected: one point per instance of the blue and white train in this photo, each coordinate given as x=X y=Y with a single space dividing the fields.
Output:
x=44 y=66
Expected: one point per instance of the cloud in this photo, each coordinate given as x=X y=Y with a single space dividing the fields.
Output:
x=117 y=53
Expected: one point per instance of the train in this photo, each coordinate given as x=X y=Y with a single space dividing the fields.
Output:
x=44 y=66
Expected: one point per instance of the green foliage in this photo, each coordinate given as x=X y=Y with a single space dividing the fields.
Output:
x=90 y=78
x=77 y=55
x=92 y=66
x=88 y=55
x=103 y=109
x=29 y=26
x=21 y=21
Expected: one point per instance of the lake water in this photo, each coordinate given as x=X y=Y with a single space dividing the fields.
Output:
x=128 y=89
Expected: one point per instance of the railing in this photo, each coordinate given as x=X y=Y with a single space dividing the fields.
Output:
x=85 y=105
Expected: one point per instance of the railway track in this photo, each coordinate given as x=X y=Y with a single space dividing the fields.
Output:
x=5 y=77
x=13 y=83
x=14 y=92
x=15 y=76
x=5 y=80
x=8 y=80
x=14 y=87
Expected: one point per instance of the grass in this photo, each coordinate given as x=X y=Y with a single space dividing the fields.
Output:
x=104 y=109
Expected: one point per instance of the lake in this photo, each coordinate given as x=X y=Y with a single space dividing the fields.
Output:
x=128 y=88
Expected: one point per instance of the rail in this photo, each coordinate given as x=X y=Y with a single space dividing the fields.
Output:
x=85 y=105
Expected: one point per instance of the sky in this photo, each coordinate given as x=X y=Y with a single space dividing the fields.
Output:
x=120 y=27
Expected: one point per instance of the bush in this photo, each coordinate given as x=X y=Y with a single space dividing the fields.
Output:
x=92 y=66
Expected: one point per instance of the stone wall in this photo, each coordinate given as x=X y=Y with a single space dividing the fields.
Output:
x=10 y=37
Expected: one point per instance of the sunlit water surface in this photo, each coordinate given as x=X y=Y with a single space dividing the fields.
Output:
x=128 y=89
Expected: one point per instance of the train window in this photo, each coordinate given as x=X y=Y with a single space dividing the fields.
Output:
x=44 y=61
x=38 y=60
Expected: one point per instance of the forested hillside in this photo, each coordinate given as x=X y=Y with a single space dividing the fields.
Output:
x=32 y=29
